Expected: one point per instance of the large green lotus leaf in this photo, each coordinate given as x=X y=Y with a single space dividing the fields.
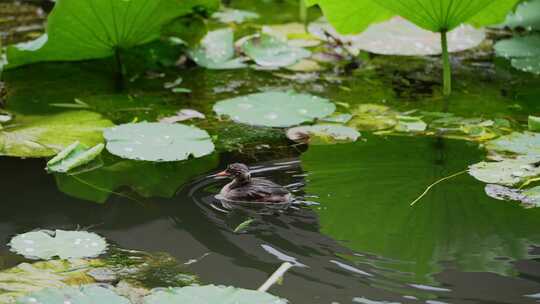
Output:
x=74 y=156
x=147 y=179
x=270 y=51
x=86 y=294
x=527 y=143
x=42 y=136
x=527 y=16
x=445 y=15
x=211 y=294
x=216 y=51
x=158 y=142
x=275 y=109
x=507 y=172
x=26 y=278
x=398 y=36
x=45 y=244
x=87 y=29
x=350 y=17
x=523 y=51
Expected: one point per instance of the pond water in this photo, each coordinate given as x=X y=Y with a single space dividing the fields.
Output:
x=356 y=239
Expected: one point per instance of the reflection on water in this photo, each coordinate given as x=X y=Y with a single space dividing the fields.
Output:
x=362 y=243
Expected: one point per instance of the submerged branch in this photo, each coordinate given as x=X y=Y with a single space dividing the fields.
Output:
x=275 y=276
x=436 y=183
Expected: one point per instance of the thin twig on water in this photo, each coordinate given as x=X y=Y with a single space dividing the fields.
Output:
x=275 y=276
x=436 y=183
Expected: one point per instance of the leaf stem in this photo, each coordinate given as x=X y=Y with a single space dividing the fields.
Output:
x=120 y=70
x=436 y=183
x=447 y=68
x=303 y=11
x=275 y=276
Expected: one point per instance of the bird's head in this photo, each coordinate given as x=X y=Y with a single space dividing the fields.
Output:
x=236 y=170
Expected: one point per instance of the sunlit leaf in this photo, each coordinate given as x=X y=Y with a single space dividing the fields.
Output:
x=323 y=134
x=74 y=156
x=524 y=52
x=83 y=294
x=269 y=51
x=87 y=29
x=216 y=51
x=508 y=172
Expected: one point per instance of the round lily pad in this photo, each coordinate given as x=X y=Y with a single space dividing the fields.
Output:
x=527 y=143
x=507 y=172
x=46 y=244
x=158 y=142
x=269 y=51
x=90 y=294
x=323 y=134
x=275 y=109
x=211 y=294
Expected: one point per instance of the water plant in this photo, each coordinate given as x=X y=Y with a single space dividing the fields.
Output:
x=440 y=16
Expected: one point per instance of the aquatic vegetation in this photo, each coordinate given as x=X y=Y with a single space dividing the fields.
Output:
x=26 y=278
x=229 y=15
x=436 y=16
x=526 y=143
x=43 y=136
x=524 y=52
x=398 y=36
x=182 y=115
x=508 y=172
x=275 y=109
x=534 y=123
x=294 y=34
x=211 y=294
x=526 y=16
x=44 y=244
x=216 y=51
x=269 y=51
x=528 y=198
x=82 y=294
x=323 y=134
x=74 y=156
x=157 y=142
x=107 y=29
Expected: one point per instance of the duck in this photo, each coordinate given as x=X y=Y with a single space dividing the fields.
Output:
x=246 y=189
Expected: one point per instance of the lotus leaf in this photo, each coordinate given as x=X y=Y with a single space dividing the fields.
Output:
x=211 y=294
x=534 y=123
x=527 y=143
x=73 y=156
x=294 y=34
x=43 y=136
x=323 y=134
x=410 y=124
x=158 y=141
x=88 y=294
x=524 y=52
x=88 y=29
x=398 y=36
x=25 y=278
x=507 y=172
x=527 y=16
x=229 y=15
x=373 y=117
x=45 y=244
x=275 y=109
x=216 y=51
x=269 y=51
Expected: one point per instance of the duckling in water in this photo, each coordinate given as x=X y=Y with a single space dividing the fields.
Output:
x=245 y=188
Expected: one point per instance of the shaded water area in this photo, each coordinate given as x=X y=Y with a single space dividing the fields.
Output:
x=358 y=239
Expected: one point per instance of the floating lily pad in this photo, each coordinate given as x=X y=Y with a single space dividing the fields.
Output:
x=524 y=52
x=398 y=36
x=46 y=244
x=211 y=294
x=87 y=29
x=507 y=172
x=527 y=143
x=527 y=16
x=182 y=115
x=529 y=197
x=91 y=294
x=158 y=141
x=275 y=109
x=43 y=136
x=269 y=51
x=74 y=156
x=323 y=134
x=294 y=34
x=229 y=15
x=373 y=117
x=410 y=124
x=216 y=51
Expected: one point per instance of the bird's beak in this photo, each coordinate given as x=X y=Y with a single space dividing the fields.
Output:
x=222 y=173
